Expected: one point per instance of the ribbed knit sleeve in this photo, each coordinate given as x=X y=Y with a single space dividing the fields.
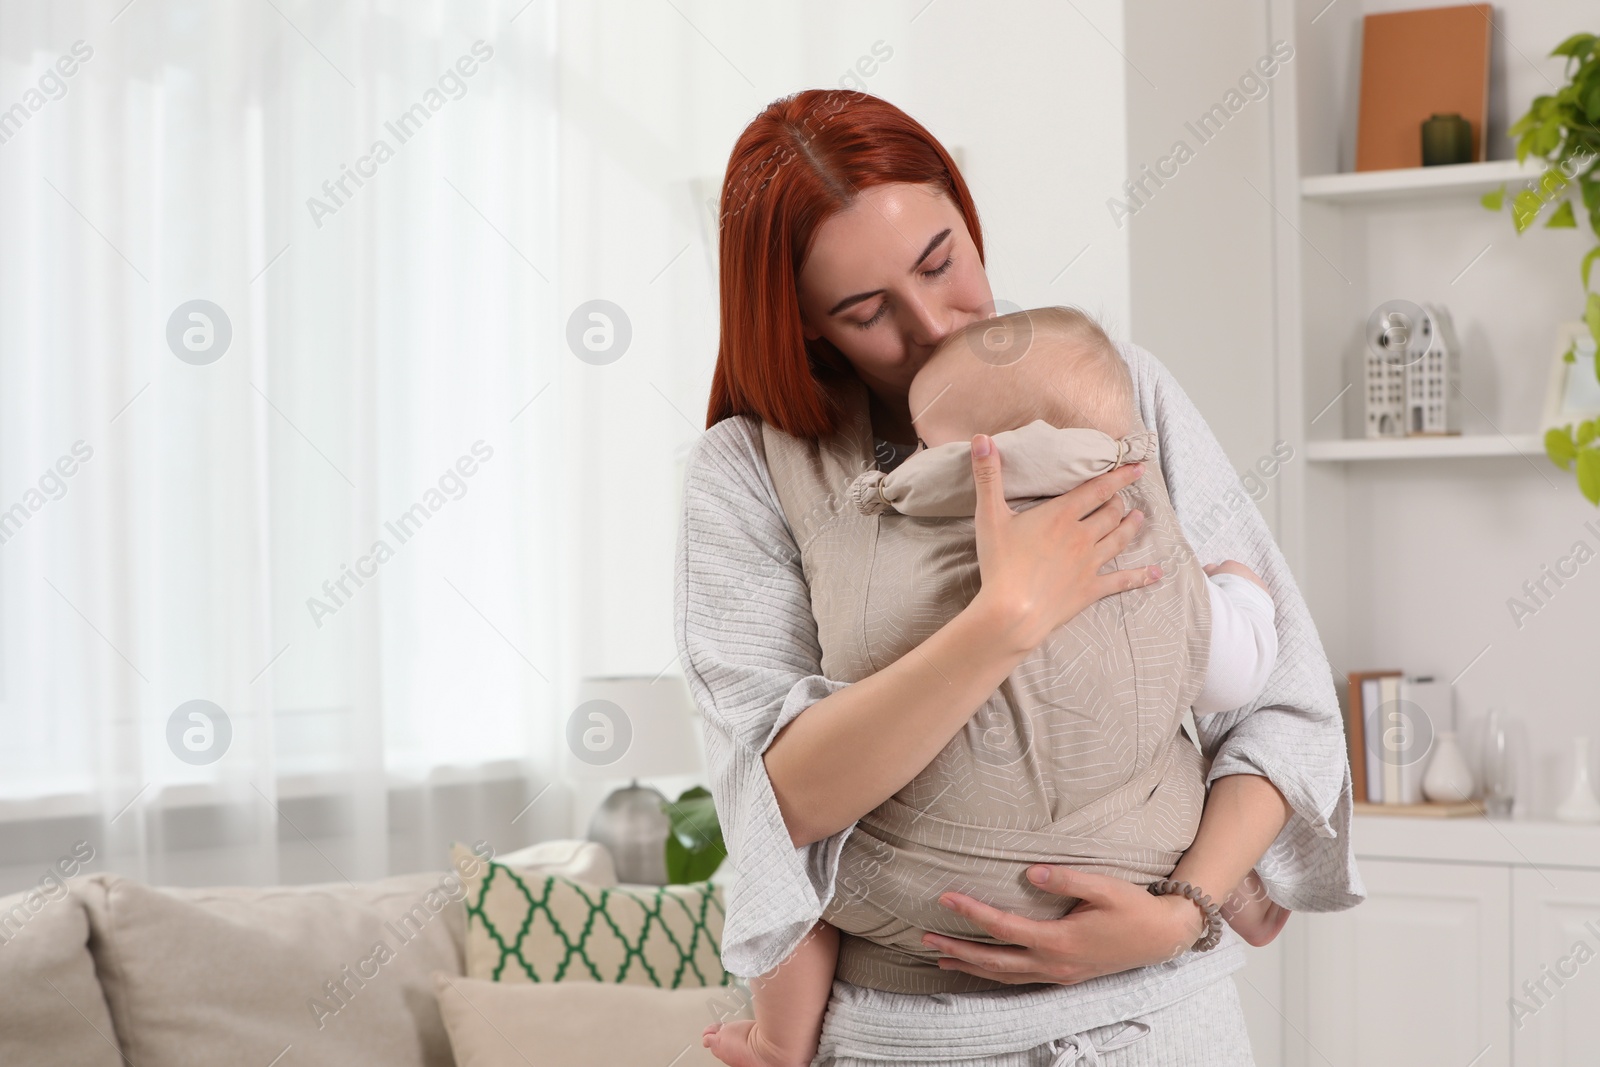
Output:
x=748 y=645
x=1291 y=733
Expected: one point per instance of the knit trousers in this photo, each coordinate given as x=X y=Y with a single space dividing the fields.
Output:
x=1205 y=1029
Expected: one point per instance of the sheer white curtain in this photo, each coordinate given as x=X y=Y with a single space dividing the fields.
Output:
x=337 y=530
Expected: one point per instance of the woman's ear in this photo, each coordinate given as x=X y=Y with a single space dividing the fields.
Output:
x=809 y=332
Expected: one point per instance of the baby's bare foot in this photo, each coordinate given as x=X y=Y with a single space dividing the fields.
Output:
x=1253 y=915
x=1260 y=928
x=742 y=1043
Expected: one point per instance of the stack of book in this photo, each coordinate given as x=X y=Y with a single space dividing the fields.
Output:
x=1391 y=721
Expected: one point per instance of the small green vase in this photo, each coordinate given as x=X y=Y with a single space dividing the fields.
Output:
x=1446 y=139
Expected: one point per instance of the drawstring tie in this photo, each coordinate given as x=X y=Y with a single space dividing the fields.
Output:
x=1136 y=447
x=1076 y=1050
x=866 y=493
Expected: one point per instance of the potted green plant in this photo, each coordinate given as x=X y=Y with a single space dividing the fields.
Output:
x=1563 y=130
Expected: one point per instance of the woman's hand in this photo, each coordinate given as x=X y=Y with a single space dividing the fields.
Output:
x=1116 y=926
x=1040 y=567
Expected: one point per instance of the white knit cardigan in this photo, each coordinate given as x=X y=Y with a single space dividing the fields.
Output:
x=748 y=645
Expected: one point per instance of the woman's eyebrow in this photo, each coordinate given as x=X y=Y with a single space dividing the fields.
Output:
x=851 y=301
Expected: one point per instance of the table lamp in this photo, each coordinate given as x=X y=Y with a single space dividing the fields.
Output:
x=631 y=728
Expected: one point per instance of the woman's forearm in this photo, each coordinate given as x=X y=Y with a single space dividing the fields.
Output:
x=851 y=751
x=1244 y=814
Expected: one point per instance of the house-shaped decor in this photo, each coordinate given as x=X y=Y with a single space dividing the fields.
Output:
x=1415 y=392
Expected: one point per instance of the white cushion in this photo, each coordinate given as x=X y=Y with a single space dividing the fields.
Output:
x=582 y=861
x=580 y=1024
x=51 y=1007
x=199 y=977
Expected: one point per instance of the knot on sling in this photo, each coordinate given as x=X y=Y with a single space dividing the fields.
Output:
x=866 y=493
x=1136 y=447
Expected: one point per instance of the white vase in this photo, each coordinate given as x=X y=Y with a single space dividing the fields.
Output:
x=1580 y=805
x=1449 y=778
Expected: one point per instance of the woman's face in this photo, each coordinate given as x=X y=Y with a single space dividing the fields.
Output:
x=888 y=278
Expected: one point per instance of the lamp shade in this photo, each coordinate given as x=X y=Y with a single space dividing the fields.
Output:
x=633 y=727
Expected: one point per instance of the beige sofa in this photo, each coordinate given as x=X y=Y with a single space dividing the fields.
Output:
x=109 y=971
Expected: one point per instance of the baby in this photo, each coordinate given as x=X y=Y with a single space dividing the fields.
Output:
x=1052 y=390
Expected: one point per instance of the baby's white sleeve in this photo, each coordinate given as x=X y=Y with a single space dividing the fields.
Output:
x=1244 y=644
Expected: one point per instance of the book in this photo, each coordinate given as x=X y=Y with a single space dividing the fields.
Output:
x=1391 y=726
x=1372 y=696
x=1415 y=64
x=1372 y=707
x=1365 y=777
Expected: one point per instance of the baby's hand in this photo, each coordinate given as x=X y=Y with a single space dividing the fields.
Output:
x=1233 y=566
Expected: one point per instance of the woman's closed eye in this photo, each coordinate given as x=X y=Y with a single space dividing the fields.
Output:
x=883 y=305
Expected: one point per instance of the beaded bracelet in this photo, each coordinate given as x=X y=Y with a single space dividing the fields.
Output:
x=1213 y=912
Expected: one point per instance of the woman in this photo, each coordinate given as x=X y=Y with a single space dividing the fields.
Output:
x=849 y=247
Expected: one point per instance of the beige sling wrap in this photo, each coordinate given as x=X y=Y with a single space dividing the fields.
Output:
x=1077 y=758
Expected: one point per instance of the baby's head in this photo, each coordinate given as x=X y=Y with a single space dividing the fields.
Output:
x=1000 y=374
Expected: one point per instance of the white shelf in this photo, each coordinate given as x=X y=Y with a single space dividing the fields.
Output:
x=1464 y=446
x=1521 y=842
x=1415 y=183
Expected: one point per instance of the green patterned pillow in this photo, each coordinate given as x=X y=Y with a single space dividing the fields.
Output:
x=529 y=926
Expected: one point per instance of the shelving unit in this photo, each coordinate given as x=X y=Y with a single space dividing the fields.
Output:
x=1410 y=552
x=1465 y=446
x=1415 y=183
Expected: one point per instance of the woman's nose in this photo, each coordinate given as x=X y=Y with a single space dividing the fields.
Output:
x=929 y=325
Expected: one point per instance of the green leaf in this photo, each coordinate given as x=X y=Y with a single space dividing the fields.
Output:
x=1558 y=445
x=1586 y=431
x=694 y=817
x=1591 y=315
x=1527 y=121
x=1548 y=139
x=1588 y=264
x=695 y=848
x=1525 y=208
x=1562 y=218
x=1552 y=182
x=1589 y=474
x=1495 y=199
x=1591 y=104
x=687 y=865
x=1576 y=47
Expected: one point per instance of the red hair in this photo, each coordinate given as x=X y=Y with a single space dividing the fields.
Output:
x=804 y=158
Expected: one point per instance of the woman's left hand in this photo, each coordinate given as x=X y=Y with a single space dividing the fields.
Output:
x=1116 y=926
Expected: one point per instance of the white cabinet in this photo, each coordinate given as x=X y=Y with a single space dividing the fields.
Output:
x=1555 y=972
x=1414 y=976
x=1459 y=914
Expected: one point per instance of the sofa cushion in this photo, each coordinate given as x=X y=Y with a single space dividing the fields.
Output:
x=51 y=1007
x=338 y=973
x=580 y=1024
x=582 y=861
x=531 y=925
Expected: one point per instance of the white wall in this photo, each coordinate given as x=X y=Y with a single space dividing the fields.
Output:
x=1201 y=244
